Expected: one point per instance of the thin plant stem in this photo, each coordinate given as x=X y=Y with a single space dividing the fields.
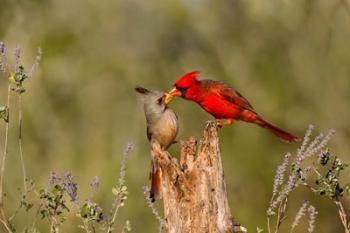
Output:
x=341 y=210
x=20 y=141
x=118 y=200
x=93 y=227
x=343 y=216
x=53 y=225
x=125 y=227
x=15 y=212
x=278 y=217
x=86 y=226
x=3 y=219
x=5 y=148
x=7 y=225
x=36 y=217
x=268 y=216
x=117 y=205
x=268 y=224
x=153 y=208
x=281 y=214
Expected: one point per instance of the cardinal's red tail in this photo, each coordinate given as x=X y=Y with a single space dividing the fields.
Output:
x=155 y=183
x=285 y=136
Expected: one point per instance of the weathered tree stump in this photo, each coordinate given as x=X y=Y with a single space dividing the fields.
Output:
x=194 y=191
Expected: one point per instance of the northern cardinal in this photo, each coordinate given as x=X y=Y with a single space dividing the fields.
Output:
x=162 y=128
x=223 y=102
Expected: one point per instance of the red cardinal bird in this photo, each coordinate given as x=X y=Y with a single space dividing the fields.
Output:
x=223 y=102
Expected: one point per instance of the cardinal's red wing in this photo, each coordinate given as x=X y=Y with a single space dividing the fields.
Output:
x=229 y=94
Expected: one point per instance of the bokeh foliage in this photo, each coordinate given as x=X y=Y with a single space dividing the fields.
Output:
x=291 y=59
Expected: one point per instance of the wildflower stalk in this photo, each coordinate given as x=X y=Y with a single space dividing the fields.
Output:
x=146 y=191
x=341 y=210
x=7 y=122
x=281 y=214
x=343 y=216
x=297 y=175
x=32 y=228
x=312 y=218
x=337 y=201
x=117 y=204
x=3 y=218
x=120 y=191
x=278 y=181
x=126 y=227
x=268 y=223
x=54 y=225
x=20 y=141
x=86 y=226
x=299 y=215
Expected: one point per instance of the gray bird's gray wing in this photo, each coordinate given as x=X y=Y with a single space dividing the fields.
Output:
x=149 y=133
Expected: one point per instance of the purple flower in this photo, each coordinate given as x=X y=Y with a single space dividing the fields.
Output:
x=3 y=62
x=128 y=150
x=36 y=63
x=53 y=178
x=306 y=140
x=300 y=214
x=279 y=177
x=70 y=186
x=18 y=59
x=312 y=218
x=95 y=183
x=2 y=47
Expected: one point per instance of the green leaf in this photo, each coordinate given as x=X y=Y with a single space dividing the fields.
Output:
x=4 y=113
x=347 y=189
x=84 y=211
x=115 y=191
x=270 y=212
x=128 y=225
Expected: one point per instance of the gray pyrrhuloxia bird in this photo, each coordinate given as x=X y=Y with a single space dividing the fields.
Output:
x=162 y=127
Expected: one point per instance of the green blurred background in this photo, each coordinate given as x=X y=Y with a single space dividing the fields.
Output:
x=290 y=59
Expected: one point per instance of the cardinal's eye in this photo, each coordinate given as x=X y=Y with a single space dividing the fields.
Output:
x=183 y=91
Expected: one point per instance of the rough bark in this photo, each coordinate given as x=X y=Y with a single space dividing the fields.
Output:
x=194 y=191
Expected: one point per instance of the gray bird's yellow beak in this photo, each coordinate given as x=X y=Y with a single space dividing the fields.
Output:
x=170 y=95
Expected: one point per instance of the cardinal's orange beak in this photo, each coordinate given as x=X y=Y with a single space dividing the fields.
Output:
x=169 y=96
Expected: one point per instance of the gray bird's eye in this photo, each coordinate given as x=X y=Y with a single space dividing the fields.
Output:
x=160 y=100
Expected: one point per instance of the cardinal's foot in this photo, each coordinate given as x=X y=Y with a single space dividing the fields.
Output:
x=221 y=122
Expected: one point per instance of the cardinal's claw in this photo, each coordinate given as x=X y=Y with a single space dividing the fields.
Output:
x=220 y=123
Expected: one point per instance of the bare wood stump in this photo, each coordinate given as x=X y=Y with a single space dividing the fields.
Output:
x=194 y=191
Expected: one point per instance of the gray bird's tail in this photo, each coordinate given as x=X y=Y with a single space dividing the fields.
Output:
x=155 y=182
